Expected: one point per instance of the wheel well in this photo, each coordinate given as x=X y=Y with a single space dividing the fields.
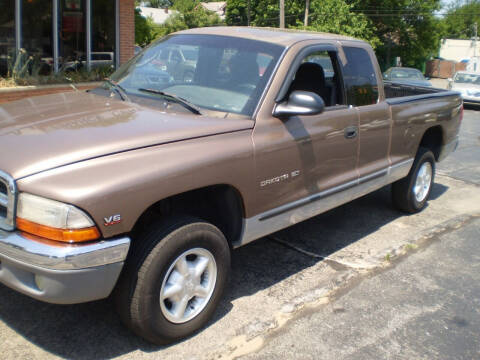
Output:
x=220 y=205
x=433 y=139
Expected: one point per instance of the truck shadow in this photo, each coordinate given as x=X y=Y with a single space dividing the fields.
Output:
x=93 y=330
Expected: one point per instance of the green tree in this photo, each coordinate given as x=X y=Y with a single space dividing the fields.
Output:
x=190 y=15
x=406 y=28
x=263 y=12
x=160 y=3
x=337 y=17
x=460 y=19
x=267 y=13
x=145 y=29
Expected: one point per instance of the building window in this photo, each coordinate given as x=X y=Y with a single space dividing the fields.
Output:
x=72 y=37
x=7 y=34
x=103 y=33
x=54 y=34
x=37 y=34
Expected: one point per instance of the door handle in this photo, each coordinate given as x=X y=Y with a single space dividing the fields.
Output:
x=351 y=132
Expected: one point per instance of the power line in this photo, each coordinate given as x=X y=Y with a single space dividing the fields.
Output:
x=417 y=14
x=366 y=12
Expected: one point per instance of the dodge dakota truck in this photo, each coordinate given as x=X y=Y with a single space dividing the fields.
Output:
x=141 y=188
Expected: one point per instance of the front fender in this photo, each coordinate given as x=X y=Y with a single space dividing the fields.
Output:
x=127 y=183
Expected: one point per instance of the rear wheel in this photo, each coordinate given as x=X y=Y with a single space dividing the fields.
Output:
x=174 y=279
x=411 y=193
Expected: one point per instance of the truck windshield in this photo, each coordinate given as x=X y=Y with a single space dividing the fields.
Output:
x=213 y=72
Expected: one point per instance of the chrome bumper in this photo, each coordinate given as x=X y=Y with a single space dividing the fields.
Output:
x=62 y=274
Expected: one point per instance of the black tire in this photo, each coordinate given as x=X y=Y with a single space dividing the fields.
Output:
x=403 y=195
x=153 y=254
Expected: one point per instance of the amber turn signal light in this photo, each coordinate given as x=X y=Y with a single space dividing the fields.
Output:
x=64 y=235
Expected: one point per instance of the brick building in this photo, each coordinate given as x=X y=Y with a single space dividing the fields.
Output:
x=60 y=34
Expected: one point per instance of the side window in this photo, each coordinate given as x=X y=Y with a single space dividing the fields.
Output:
x=318 y=73
x=322 y=58
x=359 y=77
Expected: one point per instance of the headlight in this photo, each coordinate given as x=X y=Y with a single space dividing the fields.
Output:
x=54 y=220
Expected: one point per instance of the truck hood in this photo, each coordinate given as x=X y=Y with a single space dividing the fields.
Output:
x=41 y=133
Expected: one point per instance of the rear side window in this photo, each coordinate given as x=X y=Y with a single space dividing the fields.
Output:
x=359 y=77
x=318 y=73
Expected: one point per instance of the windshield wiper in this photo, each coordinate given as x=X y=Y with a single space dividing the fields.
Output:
x=175 y=98
x=120 y=90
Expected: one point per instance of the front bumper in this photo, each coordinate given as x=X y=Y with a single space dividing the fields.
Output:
x=59 y=273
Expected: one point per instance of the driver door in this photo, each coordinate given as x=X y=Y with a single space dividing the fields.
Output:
x=301 y=159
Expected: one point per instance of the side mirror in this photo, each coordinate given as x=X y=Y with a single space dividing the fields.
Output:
x=300 y=103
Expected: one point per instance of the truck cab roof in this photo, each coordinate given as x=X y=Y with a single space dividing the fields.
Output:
x=284 y=37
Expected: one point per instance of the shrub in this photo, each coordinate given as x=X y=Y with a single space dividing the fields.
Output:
x=24 y=69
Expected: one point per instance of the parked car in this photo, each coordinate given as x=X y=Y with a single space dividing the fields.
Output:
x=407 y=76
x=98 y=59
x=141 y=190
x=179 y=61
x=468 y=84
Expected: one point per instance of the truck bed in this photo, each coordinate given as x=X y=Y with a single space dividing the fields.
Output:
x=397 y=93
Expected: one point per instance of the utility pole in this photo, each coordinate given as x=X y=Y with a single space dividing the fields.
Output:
x=307 y=6
x=248 y=13
x=282 y=14
x=475 y=30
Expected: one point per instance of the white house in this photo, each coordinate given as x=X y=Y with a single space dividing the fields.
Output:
x=159 y=16
x=218 y=7
x=461 y=51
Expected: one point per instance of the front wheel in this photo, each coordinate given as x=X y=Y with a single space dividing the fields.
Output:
x=411 y=193
x=173 y=280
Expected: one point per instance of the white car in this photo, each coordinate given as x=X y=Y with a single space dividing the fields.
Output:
x=468 y=84
x=98 y=59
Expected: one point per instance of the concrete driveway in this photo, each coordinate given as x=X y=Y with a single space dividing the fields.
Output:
x=273 y=280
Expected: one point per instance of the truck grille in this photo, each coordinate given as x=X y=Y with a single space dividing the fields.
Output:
x=8 y=193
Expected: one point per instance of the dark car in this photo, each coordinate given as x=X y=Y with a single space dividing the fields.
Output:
x=407 y=76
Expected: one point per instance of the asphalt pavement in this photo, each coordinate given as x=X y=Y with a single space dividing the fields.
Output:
x=424 y=306
x=361 y=281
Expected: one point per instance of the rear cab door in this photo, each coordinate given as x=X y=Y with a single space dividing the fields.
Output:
x=365 y=93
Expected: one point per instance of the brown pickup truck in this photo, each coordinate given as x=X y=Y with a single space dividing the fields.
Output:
x=141 y=188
